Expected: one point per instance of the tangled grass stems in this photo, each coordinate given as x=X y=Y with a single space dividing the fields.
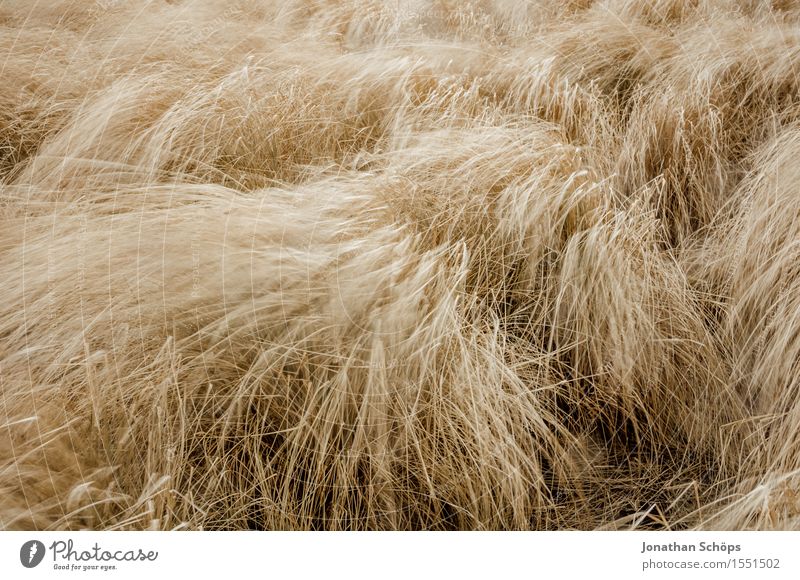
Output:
x=349 y=264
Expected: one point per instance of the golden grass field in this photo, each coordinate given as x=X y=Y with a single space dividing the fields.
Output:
x=355 y=264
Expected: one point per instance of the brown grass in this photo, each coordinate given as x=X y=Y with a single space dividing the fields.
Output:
x=355 y=264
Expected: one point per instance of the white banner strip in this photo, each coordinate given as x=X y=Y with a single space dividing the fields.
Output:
x=388 y=555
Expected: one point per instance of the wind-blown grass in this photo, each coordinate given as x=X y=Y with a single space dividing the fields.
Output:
x=399 y=265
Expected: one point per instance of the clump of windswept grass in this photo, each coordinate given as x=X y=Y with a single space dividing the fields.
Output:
x=368 y=265
x=752 y=257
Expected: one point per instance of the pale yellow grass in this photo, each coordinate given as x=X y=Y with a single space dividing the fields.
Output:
x=399 y=265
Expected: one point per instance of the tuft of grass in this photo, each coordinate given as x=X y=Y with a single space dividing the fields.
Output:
x=380 y=265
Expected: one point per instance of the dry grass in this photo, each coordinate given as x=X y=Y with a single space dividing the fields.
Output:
x=354 y=264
